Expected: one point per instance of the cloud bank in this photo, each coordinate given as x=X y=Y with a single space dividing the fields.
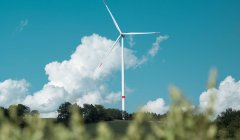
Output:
x=75 y=80
x=157 y=106
x=227 y=95
x=13 y=92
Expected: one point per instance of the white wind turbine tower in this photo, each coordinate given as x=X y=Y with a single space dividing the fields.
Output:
x=121 y=36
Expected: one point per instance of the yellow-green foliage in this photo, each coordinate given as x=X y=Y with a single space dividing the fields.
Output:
x=183 y=122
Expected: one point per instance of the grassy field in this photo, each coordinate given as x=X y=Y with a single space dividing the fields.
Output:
x=118 y=127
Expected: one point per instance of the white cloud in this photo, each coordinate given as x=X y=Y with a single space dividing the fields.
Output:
x=131 y=41
x=13 y=92
x=227 y=95
x=22 y=25
x=143 y=60
x=49 y=115
x=157 y=106
x=79 y=72
x=75 y=80
x=46 y=100
x=153 y=50
x=156 y=45
x=113 y=98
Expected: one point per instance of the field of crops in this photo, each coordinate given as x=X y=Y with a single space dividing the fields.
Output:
x=178 y=125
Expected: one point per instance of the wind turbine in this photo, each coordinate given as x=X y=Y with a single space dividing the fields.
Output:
x=121 y=36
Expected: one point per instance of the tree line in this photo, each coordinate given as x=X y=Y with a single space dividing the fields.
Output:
x=95 y=113
x=228 y=123
x=17 y=113
x=19 y=110
x=89 y=113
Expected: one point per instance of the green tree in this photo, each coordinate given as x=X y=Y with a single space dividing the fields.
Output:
x=228 y=122
x=101 y=113
x=35 y=113
x=64 y=113
x=17 y=114
x=89 y=113
x=114 y=114
x=20 y=110
x=4 y=112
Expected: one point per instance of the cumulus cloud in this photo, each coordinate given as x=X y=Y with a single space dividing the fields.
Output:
x=13 y=92
x=46 y=100
x=227 y=95
x=79 y=72
x=157 y=106
x=75 y=80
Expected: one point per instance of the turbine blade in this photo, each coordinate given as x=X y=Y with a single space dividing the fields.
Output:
x=141 y=33
x=115 y=22
x=109 y=51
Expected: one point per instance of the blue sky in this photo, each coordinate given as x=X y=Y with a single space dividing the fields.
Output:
x=202 y=34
